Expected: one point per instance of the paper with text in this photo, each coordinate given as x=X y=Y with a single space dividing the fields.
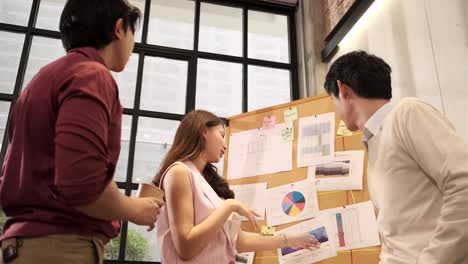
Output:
x=257 y=152
x=253 y=196
x=345 y=172
x=316 y=140
x=292 y=202
x=319 y=228
x=354 y=226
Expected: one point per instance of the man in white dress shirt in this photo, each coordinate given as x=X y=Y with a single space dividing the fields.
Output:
x=418 y=165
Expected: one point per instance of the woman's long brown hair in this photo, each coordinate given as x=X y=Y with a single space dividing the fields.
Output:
x=189 y=143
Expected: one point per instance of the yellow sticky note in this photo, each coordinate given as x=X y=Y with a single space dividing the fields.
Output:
x=343 y=130
x=290 y=114
x=267 y=231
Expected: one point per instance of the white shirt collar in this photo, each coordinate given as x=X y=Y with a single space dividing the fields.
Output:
x=376 y=120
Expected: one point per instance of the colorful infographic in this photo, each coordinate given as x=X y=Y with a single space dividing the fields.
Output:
x=293 y=203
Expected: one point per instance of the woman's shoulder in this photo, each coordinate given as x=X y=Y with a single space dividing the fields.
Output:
x=178 y=168
x=177 y=177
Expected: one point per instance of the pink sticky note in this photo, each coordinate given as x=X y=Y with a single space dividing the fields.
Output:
x=269 y=121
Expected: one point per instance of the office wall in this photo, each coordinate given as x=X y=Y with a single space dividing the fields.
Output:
x=426 y=43
x=310 y=19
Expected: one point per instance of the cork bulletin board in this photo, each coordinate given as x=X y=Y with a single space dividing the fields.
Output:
x=305 y=107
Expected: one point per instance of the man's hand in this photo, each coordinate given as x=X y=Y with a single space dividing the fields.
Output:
x=145 y=211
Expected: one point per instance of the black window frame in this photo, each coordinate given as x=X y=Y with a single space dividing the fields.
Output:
x=144 y=49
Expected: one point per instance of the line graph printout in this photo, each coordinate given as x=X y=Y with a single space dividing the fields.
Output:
x=258 y=151
x=316 y=140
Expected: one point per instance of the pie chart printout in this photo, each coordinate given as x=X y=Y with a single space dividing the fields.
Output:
x=293 y=203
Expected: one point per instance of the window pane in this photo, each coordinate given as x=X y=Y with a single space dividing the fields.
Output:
x=112 y=249
x=219 y=87
x=154 y=138
x=126 y=80
x=267 y=87
x=43 y=51
x=121 y=171
x=220 y=29
x=171 y=23
x=141 y=5
x=11 y=45
x=15 y=12
x=268 y=36
x=164 y=85
x=2 y=220
x=49 y=14
x=220 y=164
x=4 y=110
x=220 y=167
x=141 y=244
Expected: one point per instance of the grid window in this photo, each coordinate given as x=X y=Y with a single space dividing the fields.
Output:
x=221 y=29
x=4 y=109
x=219 y=87
x=154 y=138
x=141 y=5
x=268 y=86
x=15 y=12
x=48 y=10
x=112 y=248
x=171 y=23
x=223 y=56
x=141 y=244
x=220 y=166
x=164 y=85
x=43 y=51
x=268 y=36
x=3 y=219
x=11 y=45
x=126 y=81
x=121 y=170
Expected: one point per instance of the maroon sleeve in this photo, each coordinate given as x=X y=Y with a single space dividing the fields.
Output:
x=82 y=168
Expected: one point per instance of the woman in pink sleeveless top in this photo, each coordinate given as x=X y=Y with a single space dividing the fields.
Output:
x=193 y=225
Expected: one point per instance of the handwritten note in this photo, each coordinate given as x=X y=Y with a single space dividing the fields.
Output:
x=287 y=132
x=290 y=114
x=267 y=231
x=269 y=121
x=343 y=130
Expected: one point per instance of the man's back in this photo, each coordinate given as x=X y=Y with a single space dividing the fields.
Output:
x=39 y=186
x=410 y=171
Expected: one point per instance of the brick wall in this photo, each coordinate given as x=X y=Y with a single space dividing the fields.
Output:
x=334 y=11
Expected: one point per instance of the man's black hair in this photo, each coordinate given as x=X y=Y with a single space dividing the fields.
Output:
x=367 y=74
x=91 y=22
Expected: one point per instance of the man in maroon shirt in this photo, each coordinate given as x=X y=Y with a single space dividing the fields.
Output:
x=56 y=185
